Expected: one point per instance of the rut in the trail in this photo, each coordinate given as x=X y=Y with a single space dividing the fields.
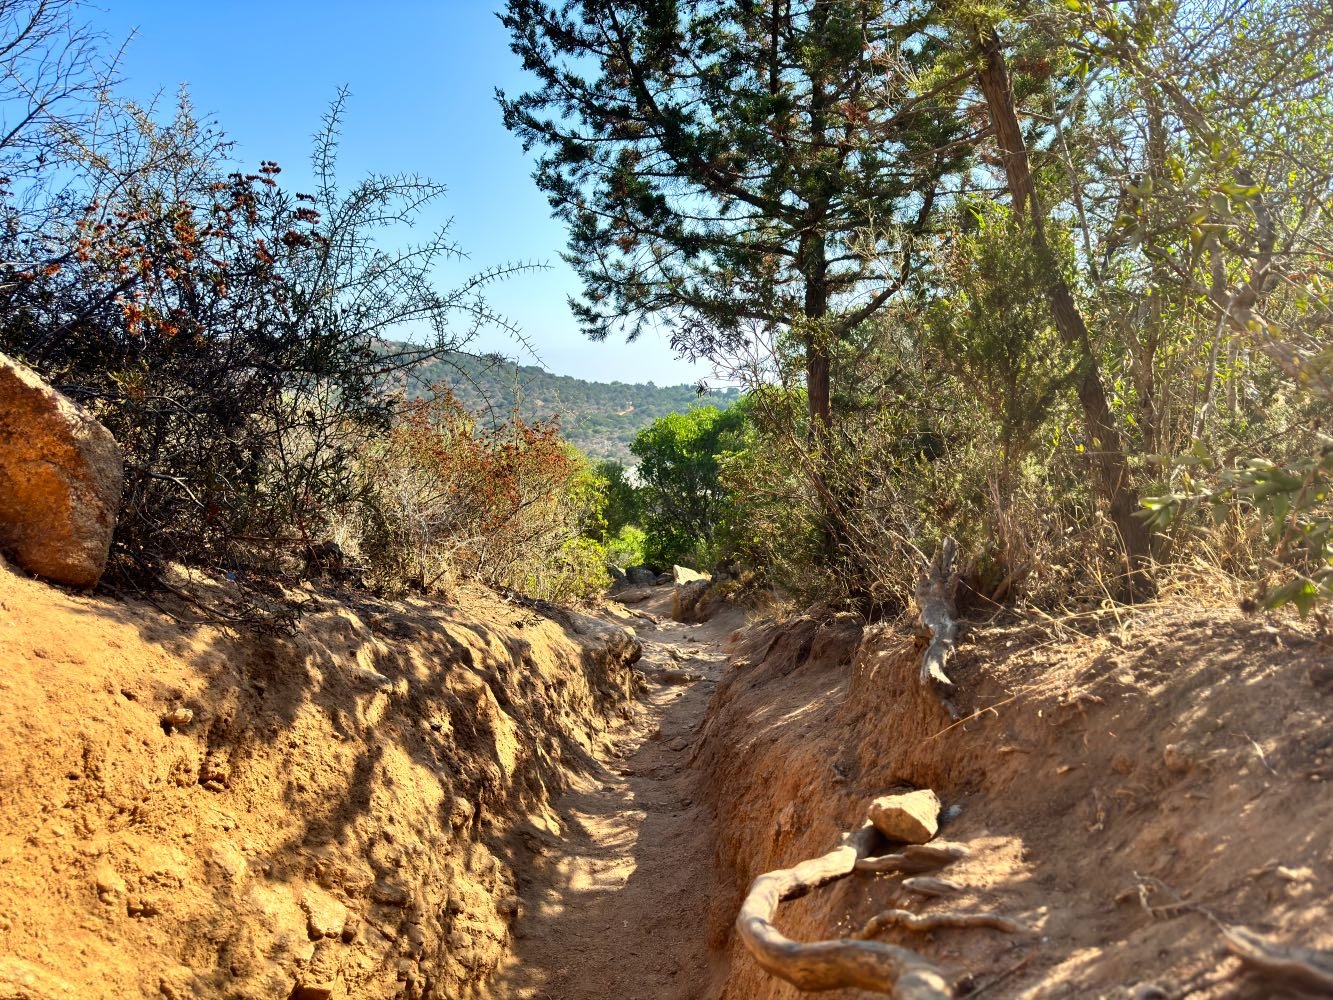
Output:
x=617 y=906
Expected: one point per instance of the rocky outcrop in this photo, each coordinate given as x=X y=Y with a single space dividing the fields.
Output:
x=690 y=601
x=683 y=574
x=61 y=474
x=641 y=576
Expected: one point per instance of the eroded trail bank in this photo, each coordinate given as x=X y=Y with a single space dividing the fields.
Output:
x=494 y=799
x=616 y=888
x=186 y=813
x=1125 y=783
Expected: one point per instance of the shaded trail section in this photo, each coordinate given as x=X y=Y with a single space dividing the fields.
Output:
x=616 y=905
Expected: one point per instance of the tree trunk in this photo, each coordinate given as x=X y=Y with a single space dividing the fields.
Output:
x=817 y=386
x=1111 y=472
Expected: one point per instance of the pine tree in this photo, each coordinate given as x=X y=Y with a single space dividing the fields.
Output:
x=727 y=167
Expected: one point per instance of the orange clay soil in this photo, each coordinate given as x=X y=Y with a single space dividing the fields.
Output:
x=489 y=800
x=1125 y=785
x=330 y=815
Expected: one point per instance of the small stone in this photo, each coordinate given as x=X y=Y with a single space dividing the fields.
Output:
x=137 y=906
x=461 y=812
x=389 y=893
x=1177 y=757
x=911 y=817
x=178 y=718
x=325 y=916
x=110 y=886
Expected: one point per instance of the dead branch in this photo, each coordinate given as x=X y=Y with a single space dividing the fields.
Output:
x=829 y=965
x=1303 y=968
x=915 y=858
x=935 y=589
x=926 y=922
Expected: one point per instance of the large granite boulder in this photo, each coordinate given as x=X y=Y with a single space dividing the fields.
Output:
x=61 y=474
x=641 y=576
x=683 y=574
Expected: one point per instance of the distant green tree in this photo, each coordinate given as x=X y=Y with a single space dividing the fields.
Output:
x=622 y=501
x=682 y=499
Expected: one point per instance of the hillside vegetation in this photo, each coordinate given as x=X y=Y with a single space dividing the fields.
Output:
x=601 y=419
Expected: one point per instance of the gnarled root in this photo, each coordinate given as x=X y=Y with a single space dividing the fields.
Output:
x=926 y=922
x=1303 y=968
x=914 y=858
x=935 y=590
x=830 y=965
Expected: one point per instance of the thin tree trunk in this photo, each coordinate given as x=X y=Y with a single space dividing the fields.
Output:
x=1111 y=472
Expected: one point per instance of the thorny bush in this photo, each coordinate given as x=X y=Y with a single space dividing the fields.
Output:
x=230 y=333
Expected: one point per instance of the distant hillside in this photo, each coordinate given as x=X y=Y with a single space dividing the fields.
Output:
x=600 y=418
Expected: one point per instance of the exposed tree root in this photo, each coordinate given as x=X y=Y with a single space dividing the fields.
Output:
x=925 y=922
x=935 y=591
x=830 y=965
x=1303 y=968
x=915 y=858
x=930 y=887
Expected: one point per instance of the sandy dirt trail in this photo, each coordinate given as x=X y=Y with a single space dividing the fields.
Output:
x=617 y=906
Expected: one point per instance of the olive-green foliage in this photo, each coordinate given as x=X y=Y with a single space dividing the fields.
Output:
x=622 y=500
x=627 y=547
x=682 y=500
x=992 y=324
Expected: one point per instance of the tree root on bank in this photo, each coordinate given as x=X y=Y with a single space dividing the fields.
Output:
x=1303 y=968
x=915 y=858
x=926 y=922
x=840 y=963
x=930 y=887
x=935 y=589
x=856 y=961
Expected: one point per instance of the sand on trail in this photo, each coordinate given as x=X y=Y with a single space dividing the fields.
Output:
x=615 y=903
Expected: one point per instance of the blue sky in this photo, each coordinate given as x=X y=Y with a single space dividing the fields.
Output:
x=422 y=74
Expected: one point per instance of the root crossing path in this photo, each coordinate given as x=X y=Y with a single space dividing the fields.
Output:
x=616 y=903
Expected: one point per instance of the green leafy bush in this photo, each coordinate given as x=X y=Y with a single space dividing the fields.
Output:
x=682 y=500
